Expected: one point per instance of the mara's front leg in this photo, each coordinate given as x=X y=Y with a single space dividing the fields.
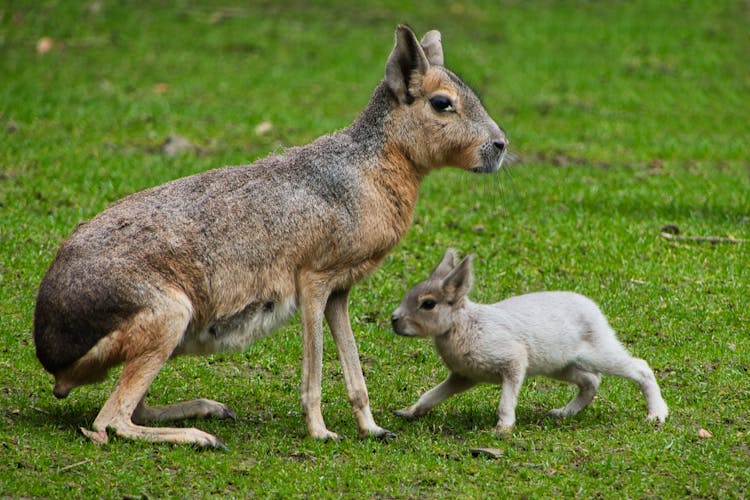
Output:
x=506 y=412
x=312 y=298
x=450 y=386
x=337 y=315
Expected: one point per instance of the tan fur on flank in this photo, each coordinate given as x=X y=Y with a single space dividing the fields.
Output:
x=214 y=261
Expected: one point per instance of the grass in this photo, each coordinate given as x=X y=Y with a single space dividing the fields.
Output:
x=628 y=116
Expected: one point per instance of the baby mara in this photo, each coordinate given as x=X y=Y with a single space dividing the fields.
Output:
x=562 y=335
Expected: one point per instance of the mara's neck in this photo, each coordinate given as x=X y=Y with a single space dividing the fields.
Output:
x=394 y=175
x=461 y=321
x=369 y=129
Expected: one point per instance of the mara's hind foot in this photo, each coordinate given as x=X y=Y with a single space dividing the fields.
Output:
x=197 y=408
x=588 y=384
x=559 y=412
x=658 y=413
x=129 y=430
x=378 y=433
x=504 y=431
x=406 y=413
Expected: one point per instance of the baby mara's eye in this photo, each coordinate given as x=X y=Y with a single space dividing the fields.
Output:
x=428 y=304
x=441 y=103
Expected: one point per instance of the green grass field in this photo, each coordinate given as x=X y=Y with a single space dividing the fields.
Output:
x=627 y=116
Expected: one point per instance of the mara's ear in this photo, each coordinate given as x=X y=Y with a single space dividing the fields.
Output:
x=458 y=282
x=406 y=58
x=446 y=264
x=433 y=48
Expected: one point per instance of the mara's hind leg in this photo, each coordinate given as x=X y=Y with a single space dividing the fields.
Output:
x=152 y=336
x=611 y=358
x=588 y=384
x=640 y=372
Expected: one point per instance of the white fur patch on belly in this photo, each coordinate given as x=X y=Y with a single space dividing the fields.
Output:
x=237 y=332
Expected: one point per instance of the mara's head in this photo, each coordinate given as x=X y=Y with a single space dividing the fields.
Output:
x=439 y=120
x=428 y=309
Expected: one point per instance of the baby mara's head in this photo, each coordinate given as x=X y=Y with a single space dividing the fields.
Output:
x=428 y=308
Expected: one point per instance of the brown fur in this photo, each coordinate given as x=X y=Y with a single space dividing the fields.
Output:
x=214 y=261
x=434 y=83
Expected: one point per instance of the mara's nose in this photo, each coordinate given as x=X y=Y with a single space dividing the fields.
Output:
x=500 y=145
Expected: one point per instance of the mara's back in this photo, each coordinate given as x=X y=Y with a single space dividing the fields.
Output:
x=539 y=317
x=226 y=238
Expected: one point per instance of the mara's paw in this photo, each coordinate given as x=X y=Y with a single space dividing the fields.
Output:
x=205 y=440
x=405 y=413
x=378 y=433
x=99 y=437
x=222 y=411
x=207 y=408
x=503 y=431
x=658 y=417
x=325 y=435
x=558 y=413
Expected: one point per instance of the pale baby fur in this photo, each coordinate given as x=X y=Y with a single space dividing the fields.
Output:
x=562 y=335
x=214 y=261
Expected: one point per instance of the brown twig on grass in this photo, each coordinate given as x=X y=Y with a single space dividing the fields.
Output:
x=77 y=464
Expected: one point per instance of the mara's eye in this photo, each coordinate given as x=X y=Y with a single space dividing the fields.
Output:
x=441 y=104
x=428 y=304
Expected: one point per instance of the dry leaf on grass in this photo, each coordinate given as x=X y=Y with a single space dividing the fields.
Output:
x=704 y=434
x=44 y=45
x=161 y=88
x=263 y=128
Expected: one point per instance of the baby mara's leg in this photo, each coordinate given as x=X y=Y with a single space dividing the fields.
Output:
x=452 y=385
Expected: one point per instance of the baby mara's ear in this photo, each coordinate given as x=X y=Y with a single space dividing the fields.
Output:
x=457 y=283
x=407 y=58
x=446 y=265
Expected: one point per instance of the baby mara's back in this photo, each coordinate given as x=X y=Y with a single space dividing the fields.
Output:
x=550 y=329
